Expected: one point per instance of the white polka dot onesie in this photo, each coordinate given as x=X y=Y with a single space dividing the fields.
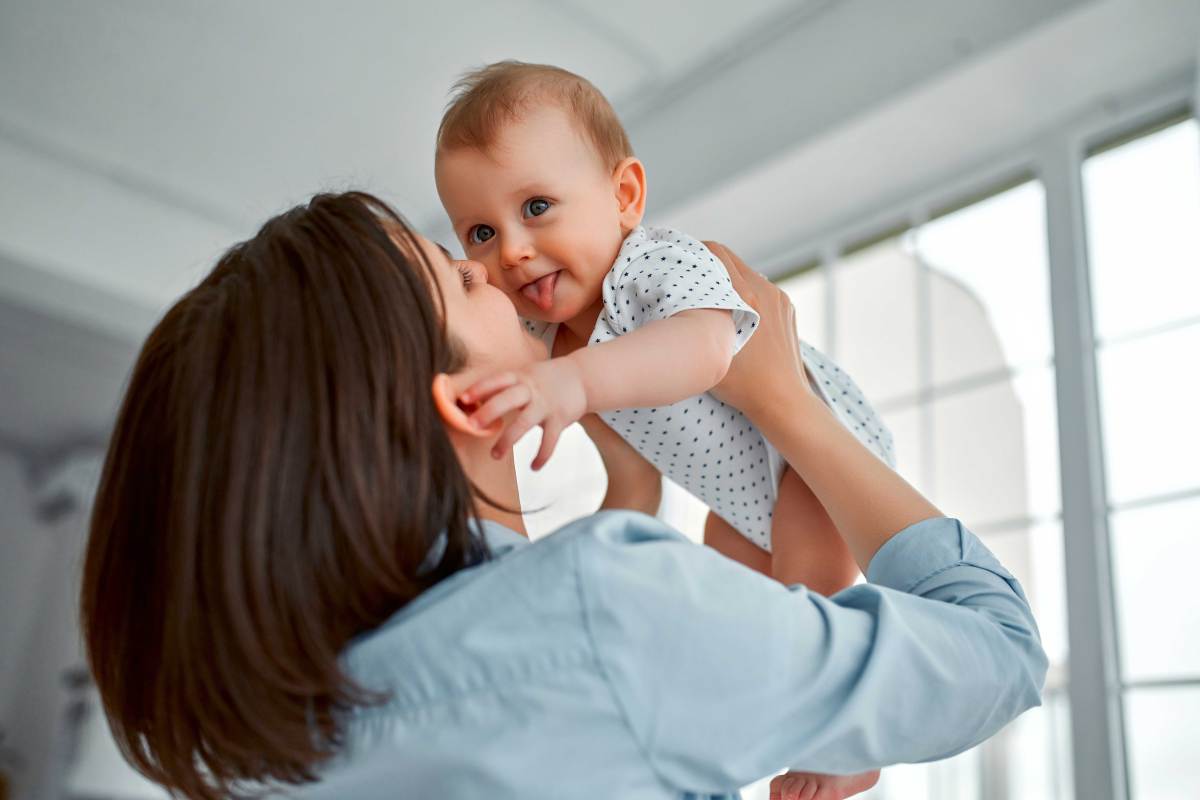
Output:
x=707 y=447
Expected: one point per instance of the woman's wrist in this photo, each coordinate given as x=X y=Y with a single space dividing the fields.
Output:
x=867 y=501
x=792 y=422
x=778 y=400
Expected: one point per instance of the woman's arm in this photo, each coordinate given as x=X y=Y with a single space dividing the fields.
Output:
x=867 y=501
x=724 y=676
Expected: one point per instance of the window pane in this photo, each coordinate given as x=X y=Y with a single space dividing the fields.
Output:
x=1155 y=552
x=807 y=291
x=995 y=450
x=989 y=285
x=682 y=510
x=956 y=778
x=1143 y=225
x=875 y=316
x=1164 y=749
x=1032 y=755
x=1149 y=396
x=1028 y=760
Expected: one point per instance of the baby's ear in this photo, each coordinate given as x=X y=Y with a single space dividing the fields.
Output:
x=629 y=185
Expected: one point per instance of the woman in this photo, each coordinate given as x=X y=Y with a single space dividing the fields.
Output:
x=305 y=564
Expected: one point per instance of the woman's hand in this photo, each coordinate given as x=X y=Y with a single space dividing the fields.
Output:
x=768 y=368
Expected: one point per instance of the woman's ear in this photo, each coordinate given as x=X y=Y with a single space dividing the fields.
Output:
x=455 y=416
x=629 y=183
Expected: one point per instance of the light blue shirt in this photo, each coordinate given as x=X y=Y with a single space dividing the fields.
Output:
x=616 y=659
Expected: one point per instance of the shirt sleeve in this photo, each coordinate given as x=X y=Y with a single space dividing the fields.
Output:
x=725 y=676
x=661 y=273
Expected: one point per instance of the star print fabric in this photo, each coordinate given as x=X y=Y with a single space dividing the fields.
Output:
x=709 y=448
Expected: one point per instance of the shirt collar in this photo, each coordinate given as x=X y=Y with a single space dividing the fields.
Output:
x=499 y=539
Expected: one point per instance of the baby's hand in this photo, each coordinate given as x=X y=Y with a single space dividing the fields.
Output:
x=548 y=393
x=811 y=786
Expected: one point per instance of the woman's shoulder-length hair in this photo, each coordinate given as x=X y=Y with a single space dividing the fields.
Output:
x=274 y=479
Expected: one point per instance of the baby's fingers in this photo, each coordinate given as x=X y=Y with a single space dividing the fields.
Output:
x=486 y=387
x=510 y=399
x=515 y=430
x=550 y=434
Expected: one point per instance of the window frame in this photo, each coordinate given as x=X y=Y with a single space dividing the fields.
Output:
x=1095 y=686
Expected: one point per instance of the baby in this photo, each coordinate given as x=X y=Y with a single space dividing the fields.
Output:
x=542 y=187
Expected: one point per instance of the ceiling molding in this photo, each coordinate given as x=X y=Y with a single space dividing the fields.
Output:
x=41 y=289
x=811 y=77
x=651 y=100
x=42 y=145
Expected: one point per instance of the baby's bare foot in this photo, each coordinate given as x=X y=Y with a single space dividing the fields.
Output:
x=812 y=786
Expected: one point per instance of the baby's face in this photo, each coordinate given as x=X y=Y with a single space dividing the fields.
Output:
x=539 y=210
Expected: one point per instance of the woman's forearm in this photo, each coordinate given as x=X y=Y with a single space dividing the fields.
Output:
x=867 y=501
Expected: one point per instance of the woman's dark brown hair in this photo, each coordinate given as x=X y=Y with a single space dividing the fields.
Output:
x=275 y=479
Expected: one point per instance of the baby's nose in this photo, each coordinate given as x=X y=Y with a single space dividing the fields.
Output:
x=516 y=252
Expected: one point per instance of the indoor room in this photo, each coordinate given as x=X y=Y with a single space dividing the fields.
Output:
x=986 y=214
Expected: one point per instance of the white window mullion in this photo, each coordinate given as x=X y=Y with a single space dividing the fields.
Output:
x=1094 y=679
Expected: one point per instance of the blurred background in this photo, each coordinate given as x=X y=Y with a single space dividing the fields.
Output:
x=987 y=210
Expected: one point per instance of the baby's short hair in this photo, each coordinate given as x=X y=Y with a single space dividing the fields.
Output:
x=485 y=99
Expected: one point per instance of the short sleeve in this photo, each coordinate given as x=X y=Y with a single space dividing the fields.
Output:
x=725 y=676
x=659 y=273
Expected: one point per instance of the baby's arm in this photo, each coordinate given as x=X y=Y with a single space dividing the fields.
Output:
x=660 y=363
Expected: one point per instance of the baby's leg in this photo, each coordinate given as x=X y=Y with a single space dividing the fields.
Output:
x=722 y=537
x=805 y=546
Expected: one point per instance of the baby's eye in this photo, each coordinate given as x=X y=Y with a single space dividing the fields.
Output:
x=480 y=234
x=535 y=207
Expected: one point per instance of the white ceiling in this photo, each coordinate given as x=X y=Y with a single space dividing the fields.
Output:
x=188 y=124
x=1084 y=66
x=139 y=138
x=229 y=108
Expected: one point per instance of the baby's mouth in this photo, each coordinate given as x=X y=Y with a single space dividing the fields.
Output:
x=541 y=291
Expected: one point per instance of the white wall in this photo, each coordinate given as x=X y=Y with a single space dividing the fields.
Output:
x=25 y=553
x=39 y=639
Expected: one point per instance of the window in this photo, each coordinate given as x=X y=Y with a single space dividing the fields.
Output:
x=946 y=327
x=946 y=323
x=1142 y=206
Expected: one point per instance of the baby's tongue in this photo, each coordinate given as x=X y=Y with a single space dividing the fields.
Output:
x=541 y=291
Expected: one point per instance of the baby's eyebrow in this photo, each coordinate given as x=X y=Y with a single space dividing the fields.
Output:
x=529 y=189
